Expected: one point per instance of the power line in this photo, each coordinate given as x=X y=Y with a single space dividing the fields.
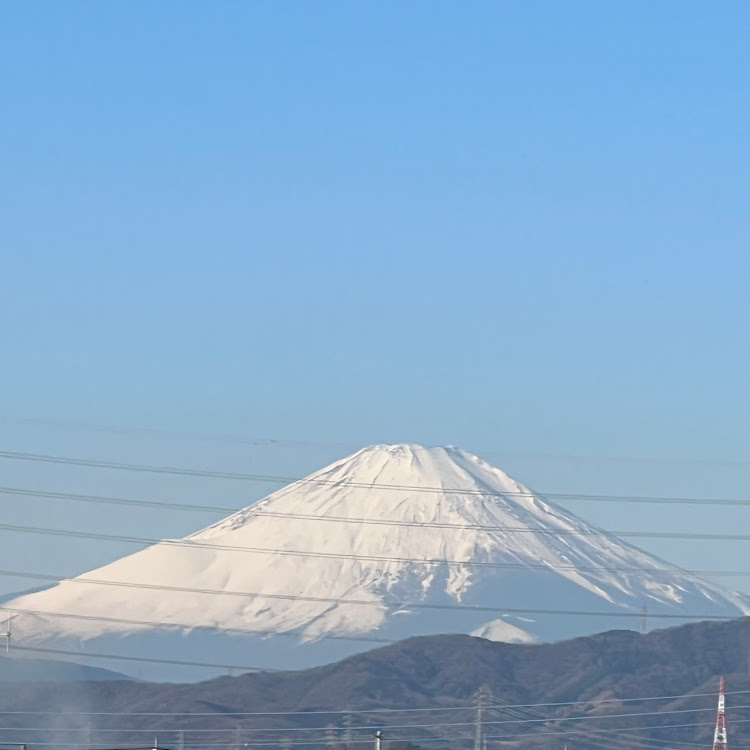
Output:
x=621 y=738
x=344 y=711
x=163 y=505
x=566 y=732
x=195 y=544
x=188 y=626
x=430 y=725
x=273 y=442
x=367 y=521
x=300 y=597
x=321 y=741
x=557 y=733
x=338 y=600
x=626 y=740
x=67 y=652
x=602 y=731
x=116 y=500
x=591 y=531
x=512 y=566
x=259 y=513
x=275 y=479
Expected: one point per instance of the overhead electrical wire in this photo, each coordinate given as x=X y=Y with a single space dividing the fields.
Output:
x=247 y=631
x=259 y=513
x=196 y=544
x=322 y=741
x=626 y=740
x=143 y=659
x=367 y=521
x=535 y=735
x=357 y=712
x=194 y=507
x=361 y=602
x=285 y=480
x=207 y=745
x=506 y=529
x=623 y=739
x=430 y=725
x=267 y=442
x=183 y=626
x=600 y=731
x=468 y=738
x=436 y=561
x=100 y=499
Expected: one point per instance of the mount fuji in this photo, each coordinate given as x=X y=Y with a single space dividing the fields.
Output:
x=391 y=542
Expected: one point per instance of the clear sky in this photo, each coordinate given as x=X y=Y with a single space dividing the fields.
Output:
x=517 y=227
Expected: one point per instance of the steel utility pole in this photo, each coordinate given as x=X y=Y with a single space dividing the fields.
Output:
x=480 y=739
x=720 y=733
x=7 y=634
x=378 y=740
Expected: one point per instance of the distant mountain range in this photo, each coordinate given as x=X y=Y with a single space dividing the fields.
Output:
x=660 y=690
x=49 y=670
x=391 y=542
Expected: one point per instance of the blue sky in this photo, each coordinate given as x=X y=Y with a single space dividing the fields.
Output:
x=516 y=227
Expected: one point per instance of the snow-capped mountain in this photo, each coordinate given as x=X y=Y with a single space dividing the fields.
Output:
x=393 y=541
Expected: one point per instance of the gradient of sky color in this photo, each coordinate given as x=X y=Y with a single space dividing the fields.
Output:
x=521 y=228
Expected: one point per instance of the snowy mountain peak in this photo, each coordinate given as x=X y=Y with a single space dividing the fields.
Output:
x=408 y=464
x=403 y=481
x=390 y=542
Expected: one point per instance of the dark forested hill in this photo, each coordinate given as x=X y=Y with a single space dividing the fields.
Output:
x=601 y=685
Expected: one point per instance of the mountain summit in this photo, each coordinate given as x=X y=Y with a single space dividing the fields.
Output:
x=393 y=541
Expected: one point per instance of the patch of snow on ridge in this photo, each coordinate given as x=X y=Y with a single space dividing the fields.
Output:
x=500 y=630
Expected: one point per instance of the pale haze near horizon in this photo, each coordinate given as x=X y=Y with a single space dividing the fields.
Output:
x=518 y=230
